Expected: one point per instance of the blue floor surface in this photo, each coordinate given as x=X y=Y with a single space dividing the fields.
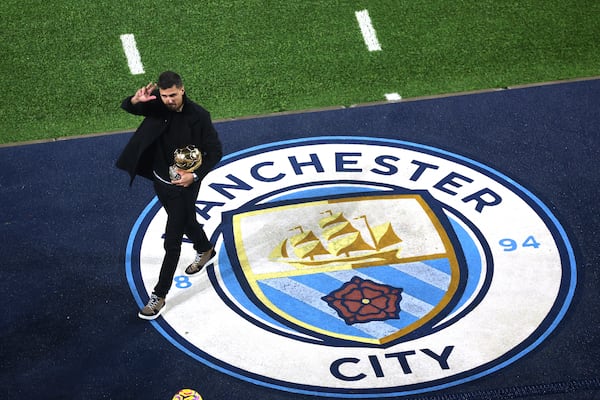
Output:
x=70 y=330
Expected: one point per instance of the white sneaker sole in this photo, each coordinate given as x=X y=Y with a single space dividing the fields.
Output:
x=152 y=317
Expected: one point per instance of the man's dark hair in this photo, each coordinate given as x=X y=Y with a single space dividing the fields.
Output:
x=167 y=79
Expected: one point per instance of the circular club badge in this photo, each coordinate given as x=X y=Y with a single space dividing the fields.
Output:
x=360 y=267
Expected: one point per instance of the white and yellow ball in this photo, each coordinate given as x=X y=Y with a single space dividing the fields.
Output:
x=187 y=394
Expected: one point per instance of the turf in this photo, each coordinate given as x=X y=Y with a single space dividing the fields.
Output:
x=64 y=71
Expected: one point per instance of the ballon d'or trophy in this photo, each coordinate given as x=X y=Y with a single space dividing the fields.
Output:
x=187 y=159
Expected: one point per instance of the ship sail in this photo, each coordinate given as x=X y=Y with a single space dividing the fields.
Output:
x=384 y=235
x=338 y=230
x=302 y=238
x=347 y=243
x=310 y=249
x=307 y=244
x=332 y=219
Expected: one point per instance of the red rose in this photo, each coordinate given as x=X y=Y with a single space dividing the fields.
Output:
x=363 y=300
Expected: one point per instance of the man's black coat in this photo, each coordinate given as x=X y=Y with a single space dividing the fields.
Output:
x=137 y=156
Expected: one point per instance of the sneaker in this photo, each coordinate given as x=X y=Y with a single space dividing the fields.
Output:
x=155 y=306
x=201 y=260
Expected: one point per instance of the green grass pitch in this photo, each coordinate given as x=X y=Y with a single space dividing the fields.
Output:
x=64 y=69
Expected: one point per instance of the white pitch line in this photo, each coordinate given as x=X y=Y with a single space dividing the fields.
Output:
x=393 y=97
x=366 y=28
x=133 y=55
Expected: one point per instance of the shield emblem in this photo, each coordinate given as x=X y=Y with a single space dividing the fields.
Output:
x=366 y=268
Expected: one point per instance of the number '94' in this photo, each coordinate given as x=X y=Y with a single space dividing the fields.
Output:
x=512 y=245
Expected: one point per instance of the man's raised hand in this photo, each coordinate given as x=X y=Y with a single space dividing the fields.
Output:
x=144 y=94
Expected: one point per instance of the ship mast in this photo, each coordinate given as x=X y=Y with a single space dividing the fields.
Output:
x=370 y=231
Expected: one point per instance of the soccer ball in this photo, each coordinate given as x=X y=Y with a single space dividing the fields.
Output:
x=187 y=394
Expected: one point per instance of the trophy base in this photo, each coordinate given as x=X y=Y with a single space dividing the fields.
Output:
x=173 y=174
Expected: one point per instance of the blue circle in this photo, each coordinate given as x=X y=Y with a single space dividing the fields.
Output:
x=551 y=321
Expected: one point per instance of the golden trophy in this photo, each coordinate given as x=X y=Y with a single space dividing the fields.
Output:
x=186 y=159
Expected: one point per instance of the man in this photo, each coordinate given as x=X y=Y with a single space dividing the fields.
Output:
x=172 y=122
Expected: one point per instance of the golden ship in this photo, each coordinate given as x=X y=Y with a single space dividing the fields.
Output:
x=340 y=243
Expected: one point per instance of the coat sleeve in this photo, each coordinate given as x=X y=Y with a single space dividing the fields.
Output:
x=152 y=107
x=207 y=140
x=136 y=158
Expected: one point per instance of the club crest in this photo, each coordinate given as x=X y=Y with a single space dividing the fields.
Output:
x=339 y=268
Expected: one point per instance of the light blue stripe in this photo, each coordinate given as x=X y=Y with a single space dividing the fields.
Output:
x=425 y=273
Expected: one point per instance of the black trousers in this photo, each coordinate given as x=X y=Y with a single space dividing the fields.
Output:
x=180 y=205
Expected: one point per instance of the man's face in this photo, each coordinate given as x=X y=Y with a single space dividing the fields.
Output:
x=172 y=97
